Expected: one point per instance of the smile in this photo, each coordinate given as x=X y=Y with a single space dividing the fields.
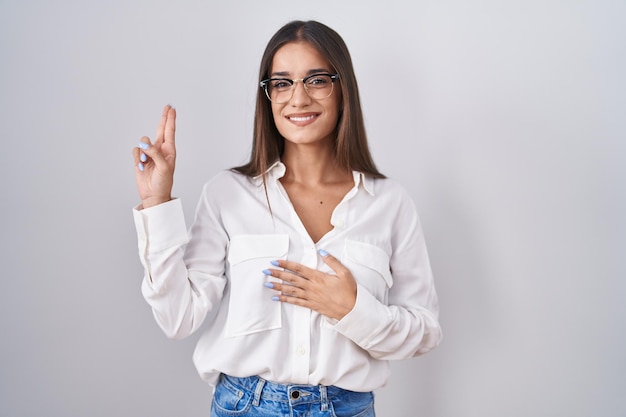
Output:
x=302 y=119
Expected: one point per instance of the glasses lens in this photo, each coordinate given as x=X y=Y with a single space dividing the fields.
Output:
x=319 y=86
x=279 y=90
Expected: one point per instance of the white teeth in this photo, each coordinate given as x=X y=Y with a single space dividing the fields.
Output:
x=301 y=119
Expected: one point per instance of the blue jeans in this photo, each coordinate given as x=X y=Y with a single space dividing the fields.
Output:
x=256 y=397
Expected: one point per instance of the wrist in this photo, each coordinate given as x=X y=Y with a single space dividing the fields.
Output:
x=154 y=201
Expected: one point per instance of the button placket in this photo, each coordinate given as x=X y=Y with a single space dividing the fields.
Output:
x=301 y=343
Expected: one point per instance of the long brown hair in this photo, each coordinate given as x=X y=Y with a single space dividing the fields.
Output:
x=351 y=149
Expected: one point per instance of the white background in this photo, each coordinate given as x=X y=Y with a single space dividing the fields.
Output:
x=504 y=119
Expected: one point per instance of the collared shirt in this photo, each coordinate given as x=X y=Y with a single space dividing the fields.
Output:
x=211 y=278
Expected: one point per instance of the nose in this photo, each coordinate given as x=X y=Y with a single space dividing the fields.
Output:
x=300 y=95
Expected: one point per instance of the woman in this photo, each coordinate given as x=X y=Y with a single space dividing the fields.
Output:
x=307 y=266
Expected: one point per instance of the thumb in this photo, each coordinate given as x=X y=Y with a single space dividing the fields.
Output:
x=151 y=151
x=331 y=261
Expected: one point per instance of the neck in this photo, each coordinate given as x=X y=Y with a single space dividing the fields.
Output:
x=311 y=165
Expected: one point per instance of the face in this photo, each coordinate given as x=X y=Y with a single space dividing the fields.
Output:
x=303 y=120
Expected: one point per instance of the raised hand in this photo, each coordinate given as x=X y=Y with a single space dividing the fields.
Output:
x=154 y=162
x=331 y=295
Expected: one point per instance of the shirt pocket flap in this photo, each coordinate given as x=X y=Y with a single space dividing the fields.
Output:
x=247 y=247
x=370 y=256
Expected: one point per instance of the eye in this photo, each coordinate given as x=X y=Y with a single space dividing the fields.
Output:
x=280 y=84
x=318 y=81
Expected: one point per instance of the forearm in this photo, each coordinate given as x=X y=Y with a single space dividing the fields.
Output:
x=180 y=299
x=390 y=331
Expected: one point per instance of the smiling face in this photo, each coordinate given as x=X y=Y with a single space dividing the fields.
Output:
x=303 y=120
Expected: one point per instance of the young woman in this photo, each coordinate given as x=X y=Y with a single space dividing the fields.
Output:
x=306 y=267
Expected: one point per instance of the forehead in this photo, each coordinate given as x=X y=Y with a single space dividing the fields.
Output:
x=298 y=57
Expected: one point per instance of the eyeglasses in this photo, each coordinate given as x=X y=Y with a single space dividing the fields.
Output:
x=317 y=86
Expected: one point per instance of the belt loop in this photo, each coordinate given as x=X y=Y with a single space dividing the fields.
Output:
x=257 y=391
x=324 y=397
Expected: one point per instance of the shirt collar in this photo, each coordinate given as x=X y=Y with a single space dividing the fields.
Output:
x=277 y=170
x=365 y=180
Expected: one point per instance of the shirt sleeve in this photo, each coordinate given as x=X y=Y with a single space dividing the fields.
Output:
x=407 y=325
x=180 y=287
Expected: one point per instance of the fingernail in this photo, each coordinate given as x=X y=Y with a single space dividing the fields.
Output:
x=275 y=263
x=143 y=157
x=143 y=145
x=140 y=166
x=269 y=285
x=267 y=272
x=322 y=252
x=275 y=298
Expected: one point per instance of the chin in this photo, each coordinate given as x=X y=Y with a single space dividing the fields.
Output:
x=306 y=139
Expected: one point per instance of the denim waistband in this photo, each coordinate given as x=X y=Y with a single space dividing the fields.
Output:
x=292 y=393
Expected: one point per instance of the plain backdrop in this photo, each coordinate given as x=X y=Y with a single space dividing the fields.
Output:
x=504 y=119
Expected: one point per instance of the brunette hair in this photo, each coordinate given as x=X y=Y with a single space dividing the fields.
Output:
x=351 y=149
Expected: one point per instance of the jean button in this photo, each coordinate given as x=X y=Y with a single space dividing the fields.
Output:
x=295 y=395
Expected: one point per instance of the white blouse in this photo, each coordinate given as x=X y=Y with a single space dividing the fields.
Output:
x=213 y=275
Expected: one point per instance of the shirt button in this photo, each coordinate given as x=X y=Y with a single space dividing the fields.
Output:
x=340 y=224
x=301 y=350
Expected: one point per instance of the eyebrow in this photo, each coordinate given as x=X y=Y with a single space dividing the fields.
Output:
x=310 y=72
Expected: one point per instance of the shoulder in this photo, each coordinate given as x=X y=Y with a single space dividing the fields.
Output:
x=392 y=196
x=229 y=178
x=388 y=187
x=227 y=185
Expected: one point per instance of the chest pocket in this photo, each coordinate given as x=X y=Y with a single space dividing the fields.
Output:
x=251 y=308
x=369 y=265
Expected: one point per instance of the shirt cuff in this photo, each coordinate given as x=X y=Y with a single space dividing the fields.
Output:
x=357 y=324
x=163 y=225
